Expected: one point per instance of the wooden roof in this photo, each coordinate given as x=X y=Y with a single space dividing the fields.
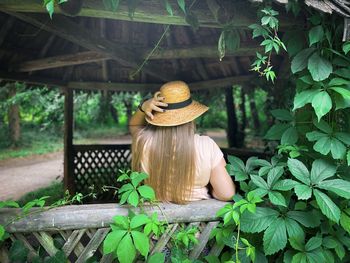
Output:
x=101 y=49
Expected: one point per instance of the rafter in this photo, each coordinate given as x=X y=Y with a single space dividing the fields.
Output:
x=69 y=30
x=152 y=11
x=93 y=56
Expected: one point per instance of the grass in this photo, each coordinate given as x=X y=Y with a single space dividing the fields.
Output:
x=36 y=142
x=55 y=191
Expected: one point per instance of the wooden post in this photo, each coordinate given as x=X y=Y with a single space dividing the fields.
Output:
x=68 y=141
x=232 y=124
x=14 y=117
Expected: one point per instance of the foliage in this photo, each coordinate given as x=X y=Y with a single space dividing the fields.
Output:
x=267 y=29
x=132 y=192
x=18 y=251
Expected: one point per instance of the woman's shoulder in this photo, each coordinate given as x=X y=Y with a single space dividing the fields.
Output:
x=203 y=139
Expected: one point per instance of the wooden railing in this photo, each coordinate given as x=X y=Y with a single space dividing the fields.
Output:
x=84 y=227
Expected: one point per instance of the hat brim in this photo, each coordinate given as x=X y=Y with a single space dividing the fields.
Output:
x=178 y=116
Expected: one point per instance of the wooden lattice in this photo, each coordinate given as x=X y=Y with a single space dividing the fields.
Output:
x=63 y=229
x=98 y=165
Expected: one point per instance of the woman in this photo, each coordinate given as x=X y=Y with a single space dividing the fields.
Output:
x=180 y=163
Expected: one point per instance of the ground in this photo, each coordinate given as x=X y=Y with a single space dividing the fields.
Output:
x=19 y=176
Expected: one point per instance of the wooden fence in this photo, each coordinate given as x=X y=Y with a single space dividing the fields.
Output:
x=84 y=227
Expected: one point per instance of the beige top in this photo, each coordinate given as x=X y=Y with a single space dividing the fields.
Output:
x=208 y=156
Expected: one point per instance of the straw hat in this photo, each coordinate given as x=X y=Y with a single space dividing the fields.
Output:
x=181 y=108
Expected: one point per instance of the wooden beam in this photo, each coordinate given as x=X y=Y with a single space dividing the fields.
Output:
x=152 y=11
x=114 y=86
x=69 y=30
x=93 y=56
x=101 y=215
x=220 y=83
x=68 y=177
x=36 y=80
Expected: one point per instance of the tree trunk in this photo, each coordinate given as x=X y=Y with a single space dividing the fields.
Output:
x=114 y=113
x=104 y=107
x=243 y=111
x=254 y=112
x=14 y=118
x=232 y=124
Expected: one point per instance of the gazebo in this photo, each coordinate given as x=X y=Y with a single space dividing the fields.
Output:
x=86 y=46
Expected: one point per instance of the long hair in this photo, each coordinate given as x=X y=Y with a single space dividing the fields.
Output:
x=168 y=154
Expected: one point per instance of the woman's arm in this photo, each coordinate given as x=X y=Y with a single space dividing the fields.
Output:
x=223 y=187
x=138 y=120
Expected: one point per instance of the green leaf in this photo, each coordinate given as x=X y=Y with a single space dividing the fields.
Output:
x=299 y=62
x=300 y=258
x=323 y=126
x=348 y=157
x=338 y=82
x=282 y=114
x=122 y=221
x=315 y=135
x=276 y=131
x=146 y=192
x=337 y=186
x=222 y=45
x=182 y=4
x=141 y=242
x=346 y=47
x=258 y=181
x=275 y=237
x=343 y=72
x=274 y=174
x=304 y=97
x=316 y=34
x=344 y=137
x=321 y=170
x=290 y=136
x=338 y=149
x=139 y=220
x=137 y=178
x=323 y=145
x=294 y=230
x=112 y=240
x=313 y=243
x=345 y=93
x=133 y=198
x=168 y=7
x=158 y=258
x=9 y=203
x=277 y=198
x=303 y=191
x=299 y=170
x=327 y=206
x=322 y=104
x=319 y=67
x=307 y=219
x=255 y=223
x=18 y=252
x=111 y=4
x=345 y=221
x=50 y=7
x=285 y=185
x=126 y=251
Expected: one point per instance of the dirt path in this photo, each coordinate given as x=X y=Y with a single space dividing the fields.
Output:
x=19 y=176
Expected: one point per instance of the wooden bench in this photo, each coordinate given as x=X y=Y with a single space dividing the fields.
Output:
x=84 y=227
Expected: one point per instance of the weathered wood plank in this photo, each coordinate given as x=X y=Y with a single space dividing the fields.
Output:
x=92 y=246
x=100 y=215
x=67 y=29
x=203 y=240
x=46 y=241
x=163 y=241
x=72 y=241
x=93 y=56
x=147 y=11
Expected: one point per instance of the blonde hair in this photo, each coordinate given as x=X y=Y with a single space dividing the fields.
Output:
x=170 y=158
